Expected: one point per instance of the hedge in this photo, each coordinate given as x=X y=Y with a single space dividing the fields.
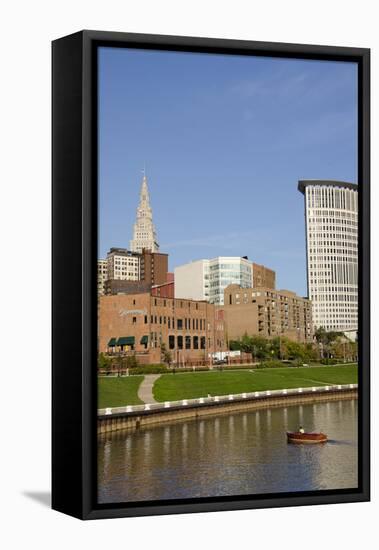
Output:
x=273 y=364
x=149 y=369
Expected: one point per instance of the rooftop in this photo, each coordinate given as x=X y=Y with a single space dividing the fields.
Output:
x=325 y=183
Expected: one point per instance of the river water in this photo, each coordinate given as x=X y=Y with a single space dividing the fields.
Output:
x=231 y=454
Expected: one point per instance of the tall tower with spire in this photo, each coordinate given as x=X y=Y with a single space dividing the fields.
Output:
x=144 y=234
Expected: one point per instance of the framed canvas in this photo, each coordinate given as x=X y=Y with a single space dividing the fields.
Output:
x=211 y=277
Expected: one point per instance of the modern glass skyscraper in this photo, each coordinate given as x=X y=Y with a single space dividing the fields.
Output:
x=207 y=279
x=225 y=271
x=331 y=222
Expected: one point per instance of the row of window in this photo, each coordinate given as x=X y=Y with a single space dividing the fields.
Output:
x=168 y=303
x=187 y=342
x=181 y=324
x=331 y=214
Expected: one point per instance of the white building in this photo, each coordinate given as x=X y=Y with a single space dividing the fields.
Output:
x=122 y=264
x=192 y=280
x=144 y=234
x=207 y=279
x=331 y=221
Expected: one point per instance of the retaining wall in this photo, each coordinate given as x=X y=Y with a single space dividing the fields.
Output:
x=135 y=417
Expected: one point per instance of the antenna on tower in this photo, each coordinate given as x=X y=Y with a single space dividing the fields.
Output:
x=144 y=169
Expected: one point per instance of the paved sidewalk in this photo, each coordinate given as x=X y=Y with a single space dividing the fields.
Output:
x=145 y=392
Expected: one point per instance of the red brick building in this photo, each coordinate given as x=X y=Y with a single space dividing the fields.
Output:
x=140 y=323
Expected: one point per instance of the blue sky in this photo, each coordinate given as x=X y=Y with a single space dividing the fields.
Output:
x=225 y=140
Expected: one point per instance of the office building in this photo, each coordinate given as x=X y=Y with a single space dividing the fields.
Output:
x=123 y=265
x=153 y=267
x=129 y=272
x=207 y=279
x=144 y=233
x=331 y=225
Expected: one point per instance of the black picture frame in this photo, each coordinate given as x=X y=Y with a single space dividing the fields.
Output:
x=74 y=315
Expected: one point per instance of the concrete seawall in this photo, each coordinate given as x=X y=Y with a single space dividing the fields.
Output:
x=135 y=417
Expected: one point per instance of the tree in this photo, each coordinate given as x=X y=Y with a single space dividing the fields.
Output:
x=119 y=364
x=166 y=356
x=131 y=362
x=256 y=345
x=104 y=363
x=235 y=345
x=296 y=350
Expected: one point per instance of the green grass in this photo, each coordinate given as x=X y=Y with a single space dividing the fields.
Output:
x=118 y=392
x=172 y=387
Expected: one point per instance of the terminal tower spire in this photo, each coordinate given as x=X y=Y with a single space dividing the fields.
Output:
x=144 y=234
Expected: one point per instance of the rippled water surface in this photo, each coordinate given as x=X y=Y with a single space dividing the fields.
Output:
x=231 y=454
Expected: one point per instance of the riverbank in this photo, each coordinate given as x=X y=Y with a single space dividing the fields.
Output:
x=135 y=417
x=123 y=391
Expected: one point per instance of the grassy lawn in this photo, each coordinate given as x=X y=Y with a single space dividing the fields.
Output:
x=171 y=387
x=118 y=392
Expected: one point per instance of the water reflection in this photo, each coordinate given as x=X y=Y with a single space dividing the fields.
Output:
x=241 y=453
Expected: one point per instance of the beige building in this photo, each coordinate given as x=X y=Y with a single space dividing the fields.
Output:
x=144 y=232
x=140 y=323
x=263 y=276
x=102 y=276
x=123 y=265
x=266 y=312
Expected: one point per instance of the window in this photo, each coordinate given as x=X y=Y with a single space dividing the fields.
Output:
x=188 y=342
x=179 y=324
x=202 y=342
x=134 y=320
x=195 y=342
x=171 y=341
x=180 y=342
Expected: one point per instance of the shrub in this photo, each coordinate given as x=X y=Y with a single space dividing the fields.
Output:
x=330 y=361
x=149 y=369
x=273 y=364
x=104 y=363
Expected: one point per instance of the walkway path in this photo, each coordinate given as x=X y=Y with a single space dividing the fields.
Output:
x=145 y=392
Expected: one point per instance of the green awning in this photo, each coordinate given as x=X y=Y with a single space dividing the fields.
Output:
x=144 y=340
x=125 y=341
x=112 y=342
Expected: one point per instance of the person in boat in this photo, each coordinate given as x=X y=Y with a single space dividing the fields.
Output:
x=301 y=430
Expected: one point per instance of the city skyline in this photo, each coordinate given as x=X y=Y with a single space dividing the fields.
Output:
x=228 y=179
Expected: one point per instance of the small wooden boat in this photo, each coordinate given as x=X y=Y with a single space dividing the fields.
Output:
x=307 y=438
